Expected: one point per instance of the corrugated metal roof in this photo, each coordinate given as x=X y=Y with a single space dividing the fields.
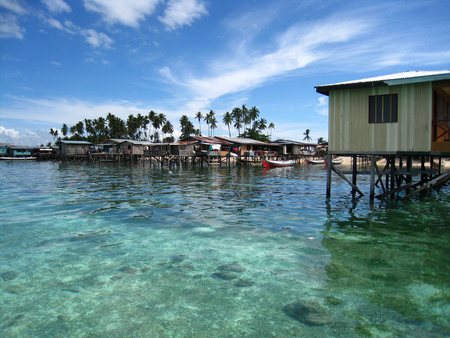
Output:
x=388 y=80
x=241 y=140
x=208 y=140
x=73 y=142
x=301 y=143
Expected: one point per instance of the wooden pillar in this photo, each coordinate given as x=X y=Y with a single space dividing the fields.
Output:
x=392 y=173
x=372 y=177
x=408 y=169
x=329 y=159
x=354 y=171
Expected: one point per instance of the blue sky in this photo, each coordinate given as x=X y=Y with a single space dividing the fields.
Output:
x=65 y=60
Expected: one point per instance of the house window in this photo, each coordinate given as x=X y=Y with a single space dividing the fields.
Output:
x=383 y=108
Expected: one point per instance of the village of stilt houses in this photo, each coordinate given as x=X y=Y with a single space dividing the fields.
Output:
x=395 y=128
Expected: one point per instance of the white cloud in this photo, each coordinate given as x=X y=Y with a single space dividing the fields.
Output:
x=182 y=12
x=322 y=105
x=56 y=63
x=57 y=6
x=13 y=6
x=9 y=22
x=125 y=12
x=294 y=49
x=9 y=27
x=62 y=110
x=97 y=39
x=28 y=138
x=54 y=23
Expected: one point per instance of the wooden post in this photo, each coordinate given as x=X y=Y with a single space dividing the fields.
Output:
x=354 y=173
x=372 y=177
x=329 y=159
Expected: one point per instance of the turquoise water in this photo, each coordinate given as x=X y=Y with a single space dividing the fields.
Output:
x=132 y=251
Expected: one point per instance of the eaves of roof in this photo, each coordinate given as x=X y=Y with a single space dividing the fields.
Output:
x=387 y=80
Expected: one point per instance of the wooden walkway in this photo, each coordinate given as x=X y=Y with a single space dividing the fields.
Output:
x=175 y=160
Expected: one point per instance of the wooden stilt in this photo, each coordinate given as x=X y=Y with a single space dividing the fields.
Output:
x=354 y=172
x=337 y=171
x=372 y=177
x=329 y=158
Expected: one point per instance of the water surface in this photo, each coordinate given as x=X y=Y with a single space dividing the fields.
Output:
x=138 y=251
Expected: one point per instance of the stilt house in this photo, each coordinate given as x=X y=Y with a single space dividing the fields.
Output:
x=69 y=147
x=401 y=112
x=399 y=116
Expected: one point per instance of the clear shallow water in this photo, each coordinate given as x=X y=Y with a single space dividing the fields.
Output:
x=132 y=251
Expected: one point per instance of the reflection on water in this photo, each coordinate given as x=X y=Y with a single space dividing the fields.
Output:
x=129 y=250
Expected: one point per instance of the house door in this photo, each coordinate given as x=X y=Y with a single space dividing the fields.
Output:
x=441 y=119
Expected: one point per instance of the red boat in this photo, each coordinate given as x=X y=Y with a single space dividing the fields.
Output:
x=277 y=164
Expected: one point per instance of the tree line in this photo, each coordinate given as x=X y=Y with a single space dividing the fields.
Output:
x=156 y=128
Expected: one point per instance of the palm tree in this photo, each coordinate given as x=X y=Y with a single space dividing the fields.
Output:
x=64 y=130
x=158 y=121
x=307 y=137
x=116 y=126
x=151 y=119
x=167 y=128
x=228 y=119
x=236 y=113
x=199 y=117
x=187 y=128
x=132 y=127
x=100 y=127
x=54 y=133
x=80 y=128
x=262 y=124
x=253 y=113
x=321 y=140
x=90 y=131
x=209 y=119
x=245 y=116
x=72 y=130
x=270 y=127
x=213 y=123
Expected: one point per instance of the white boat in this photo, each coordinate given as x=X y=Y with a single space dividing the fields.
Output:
x=322 y=161
x=14 y=158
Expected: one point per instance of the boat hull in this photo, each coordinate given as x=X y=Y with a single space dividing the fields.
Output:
x=17 y=158
x=277 y=164
x=336 y=161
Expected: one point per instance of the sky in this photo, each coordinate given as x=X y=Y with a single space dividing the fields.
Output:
x=62 y=61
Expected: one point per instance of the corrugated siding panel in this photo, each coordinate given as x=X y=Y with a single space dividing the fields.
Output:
x=350 y=130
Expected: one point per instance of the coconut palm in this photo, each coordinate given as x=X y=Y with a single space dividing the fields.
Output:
x=186 y=126
x=209 y=118
x=321 y=140
x=307 y=137
x=151 y=117
x=64 y=130
x=246 y=116
x=236 y=113
x=167 y=128
x=228 y=120
x=270 y=127
x=262 y=124
x=213 y=123
x=199 y=117
x=253 y=114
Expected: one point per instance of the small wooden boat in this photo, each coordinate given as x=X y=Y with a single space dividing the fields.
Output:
x=277 y=164
x=322 y=161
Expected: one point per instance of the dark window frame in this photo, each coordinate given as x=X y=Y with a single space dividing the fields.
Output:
x=383 y=108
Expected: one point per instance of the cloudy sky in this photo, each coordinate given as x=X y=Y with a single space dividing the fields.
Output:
x=62 y=61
